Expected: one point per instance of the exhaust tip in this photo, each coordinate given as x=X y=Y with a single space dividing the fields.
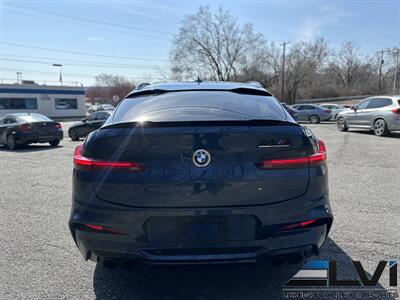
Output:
x=110 y=263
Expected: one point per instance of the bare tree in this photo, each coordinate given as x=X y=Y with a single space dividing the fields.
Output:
x=108 y=87
x=346 y=65
x=263 y=65
x=212 y=46
x=304 y=61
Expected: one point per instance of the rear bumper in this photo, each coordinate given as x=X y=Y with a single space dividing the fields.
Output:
x=26 y=138
x=245 y=241
x=94 y=246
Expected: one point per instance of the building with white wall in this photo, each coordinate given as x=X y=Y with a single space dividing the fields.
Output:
x=52 y=101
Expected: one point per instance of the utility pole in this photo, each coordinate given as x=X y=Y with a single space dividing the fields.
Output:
x=60 y=66
x=283 y=69
x=381 y=62
x=396 y=74
x=19 y=77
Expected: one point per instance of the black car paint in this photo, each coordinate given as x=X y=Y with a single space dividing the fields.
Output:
x=89 y=124
x=174 y=212
x=41 y=131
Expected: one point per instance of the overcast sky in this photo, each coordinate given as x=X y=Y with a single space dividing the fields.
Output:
x=133 y=38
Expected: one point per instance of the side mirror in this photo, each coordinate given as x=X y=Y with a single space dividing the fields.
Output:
x=354 y=108
x=84 y=120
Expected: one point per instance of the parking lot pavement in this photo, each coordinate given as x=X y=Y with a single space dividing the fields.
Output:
x=40 y=261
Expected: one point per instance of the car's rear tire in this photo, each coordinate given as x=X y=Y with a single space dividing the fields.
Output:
x=11 y=143
x=73 y=135
x=314 y=119
x=54 y=143
x=341 y=124
x=380 y=128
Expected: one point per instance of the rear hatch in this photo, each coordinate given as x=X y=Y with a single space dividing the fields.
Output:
x=171 y=179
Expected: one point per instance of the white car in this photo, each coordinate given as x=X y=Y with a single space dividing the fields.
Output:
x=335 y=108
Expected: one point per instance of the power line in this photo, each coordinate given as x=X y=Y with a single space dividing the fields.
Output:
x=66 y=74
x=79 y=53
x=83 y=25
x=96 y=21
x=103 y=22
x=49 y=73
x=76 y=62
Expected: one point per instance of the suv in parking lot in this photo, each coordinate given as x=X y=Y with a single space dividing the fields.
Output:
x=203 y=172
x=381 y=114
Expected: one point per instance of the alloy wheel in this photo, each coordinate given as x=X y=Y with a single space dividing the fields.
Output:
x=379 y=127
x=10 y=142
x=314 y=119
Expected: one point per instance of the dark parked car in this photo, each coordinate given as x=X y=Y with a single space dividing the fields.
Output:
x=312 y=113
x=292 y=111
x=107 y=107
x=199 y=172
x=87 y=125
x=381 y=114
x=21 y=129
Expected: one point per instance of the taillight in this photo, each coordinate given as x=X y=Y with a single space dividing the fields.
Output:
x=283 y=163
x=83 y=163
x=316 y=159
x=25 y=127
x=58 y=126
x=396 y=110
x=102 y=229
x=299 y=225
x=327 y=111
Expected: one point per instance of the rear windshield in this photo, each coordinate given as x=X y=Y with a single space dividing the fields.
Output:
x=33 y=118
x=199 y=106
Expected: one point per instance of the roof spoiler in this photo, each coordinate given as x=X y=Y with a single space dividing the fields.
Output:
x=241 y=90
x=151 y=124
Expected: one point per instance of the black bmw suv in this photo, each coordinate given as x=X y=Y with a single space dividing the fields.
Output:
x=199 y=173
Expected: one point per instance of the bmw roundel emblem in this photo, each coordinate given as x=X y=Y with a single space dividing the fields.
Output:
x=201 y=158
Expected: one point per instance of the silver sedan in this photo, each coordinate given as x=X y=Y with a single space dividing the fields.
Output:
x=335 y=109
x=312 y=113
x=381 y=114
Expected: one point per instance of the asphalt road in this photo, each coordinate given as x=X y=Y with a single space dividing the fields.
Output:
x=38 y=259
